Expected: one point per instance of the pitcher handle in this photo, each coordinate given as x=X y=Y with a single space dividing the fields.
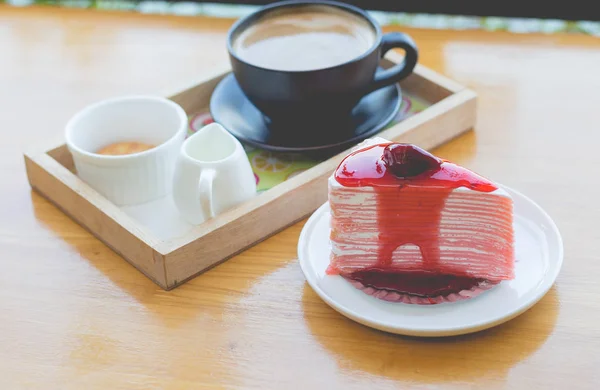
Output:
x=207 y=176
x=192 y=190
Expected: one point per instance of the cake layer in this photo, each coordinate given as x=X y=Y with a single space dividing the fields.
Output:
x=471 y=235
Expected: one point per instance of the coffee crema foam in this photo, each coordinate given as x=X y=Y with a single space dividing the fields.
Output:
x=123 y=148
x=306 y=38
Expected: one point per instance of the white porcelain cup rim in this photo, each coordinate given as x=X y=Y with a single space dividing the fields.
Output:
x=71 y=125
x=131 y=178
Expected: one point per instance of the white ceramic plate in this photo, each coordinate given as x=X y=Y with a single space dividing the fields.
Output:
x=539 y=255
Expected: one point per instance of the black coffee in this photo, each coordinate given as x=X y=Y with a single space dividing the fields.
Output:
x=304 y=38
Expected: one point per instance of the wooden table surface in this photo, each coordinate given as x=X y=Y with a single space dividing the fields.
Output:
x=74 y=315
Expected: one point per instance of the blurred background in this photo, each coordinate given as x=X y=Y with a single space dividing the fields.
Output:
x=575 y=16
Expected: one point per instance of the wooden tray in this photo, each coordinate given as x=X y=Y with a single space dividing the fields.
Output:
x=171 y=262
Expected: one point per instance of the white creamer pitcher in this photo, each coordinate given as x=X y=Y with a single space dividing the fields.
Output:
x=212 y=174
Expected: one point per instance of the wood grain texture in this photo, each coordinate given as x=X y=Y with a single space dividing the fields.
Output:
x=76 y=316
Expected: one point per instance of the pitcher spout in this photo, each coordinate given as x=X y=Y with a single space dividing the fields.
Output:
x=211 y=143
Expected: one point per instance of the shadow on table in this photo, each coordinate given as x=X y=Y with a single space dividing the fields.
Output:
x=488 y=354
x=111 y=265
x=204 y=296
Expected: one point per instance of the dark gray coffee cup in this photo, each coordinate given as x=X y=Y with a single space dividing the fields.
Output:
x=333 y=91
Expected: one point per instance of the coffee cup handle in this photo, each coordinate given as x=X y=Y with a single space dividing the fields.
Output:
x=394 y=40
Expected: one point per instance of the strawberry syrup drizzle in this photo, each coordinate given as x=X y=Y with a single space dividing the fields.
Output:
x=411 y=192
